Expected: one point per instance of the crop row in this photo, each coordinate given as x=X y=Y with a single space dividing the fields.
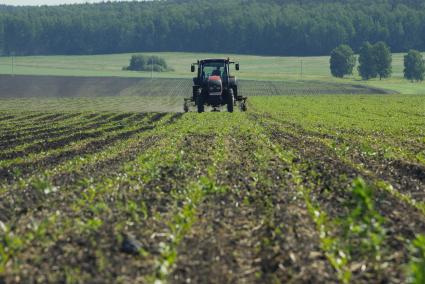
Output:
x=332 y=187
x=52 y=138
x=144 y=163
x=34 y=160
x=243 y=197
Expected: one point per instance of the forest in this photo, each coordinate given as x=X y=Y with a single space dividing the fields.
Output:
x=266 y=27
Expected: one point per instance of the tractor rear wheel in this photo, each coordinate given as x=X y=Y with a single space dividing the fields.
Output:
x=230 y=100
x=196 y=93
x=200 y=103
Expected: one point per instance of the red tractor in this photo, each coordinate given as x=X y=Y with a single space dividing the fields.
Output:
x=214 y=86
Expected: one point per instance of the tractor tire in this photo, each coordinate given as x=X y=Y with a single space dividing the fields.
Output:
x=200 y=103
x=195 y=94
x=230 y=100
x=185 y=107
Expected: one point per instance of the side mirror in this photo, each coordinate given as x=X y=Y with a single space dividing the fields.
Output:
x=192 y=68
x=237 y=66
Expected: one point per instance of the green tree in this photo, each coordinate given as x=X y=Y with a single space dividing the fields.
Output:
x=138 y=63
x=414 y=66
x=383 y=59
x=367 y=64
x=1 y=38
x=342 y=61
x=147 y=63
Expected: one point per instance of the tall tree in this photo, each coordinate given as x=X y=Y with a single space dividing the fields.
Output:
x=1 y=38
x=342 y=61
x=367 y=64
x=383 y=59
x=414 y=66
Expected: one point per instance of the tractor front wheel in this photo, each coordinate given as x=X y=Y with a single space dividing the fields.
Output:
x=230 y=100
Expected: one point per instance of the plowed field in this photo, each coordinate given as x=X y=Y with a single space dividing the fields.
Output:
x=299 y=189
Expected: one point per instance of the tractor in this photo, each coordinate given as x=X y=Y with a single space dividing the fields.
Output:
x=214 y=86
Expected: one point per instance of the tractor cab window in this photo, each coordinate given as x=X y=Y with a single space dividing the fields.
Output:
x=213 y=69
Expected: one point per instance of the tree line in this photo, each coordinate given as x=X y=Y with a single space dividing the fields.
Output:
x=267 y=27
x=375 y=61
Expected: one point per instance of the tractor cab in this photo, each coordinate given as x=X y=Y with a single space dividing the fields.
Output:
x=214 y=86
x=212 y=68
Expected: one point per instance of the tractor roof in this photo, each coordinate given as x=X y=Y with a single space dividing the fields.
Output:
x=215 y=60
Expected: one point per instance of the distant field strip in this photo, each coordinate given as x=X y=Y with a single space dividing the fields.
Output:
x=68 y=87
x=278 y=88
x=75 y=94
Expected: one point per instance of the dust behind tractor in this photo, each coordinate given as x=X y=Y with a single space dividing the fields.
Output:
x=214 y=86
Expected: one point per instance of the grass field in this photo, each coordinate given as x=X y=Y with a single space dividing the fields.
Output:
x=104 y=180
x=252 y=68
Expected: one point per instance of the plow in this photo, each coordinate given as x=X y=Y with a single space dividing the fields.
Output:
x=214 y=86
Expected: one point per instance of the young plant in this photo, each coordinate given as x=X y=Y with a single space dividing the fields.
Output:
x=417 y=261
x=363 y=230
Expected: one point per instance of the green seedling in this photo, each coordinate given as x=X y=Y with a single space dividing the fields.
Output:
x=10 y=244
x=43 y=185
x=363 y=229
x=335 y=250
x=417 y=261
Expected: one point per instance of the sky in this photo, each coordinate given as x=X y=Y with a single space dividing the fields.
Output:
x=46 y=2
